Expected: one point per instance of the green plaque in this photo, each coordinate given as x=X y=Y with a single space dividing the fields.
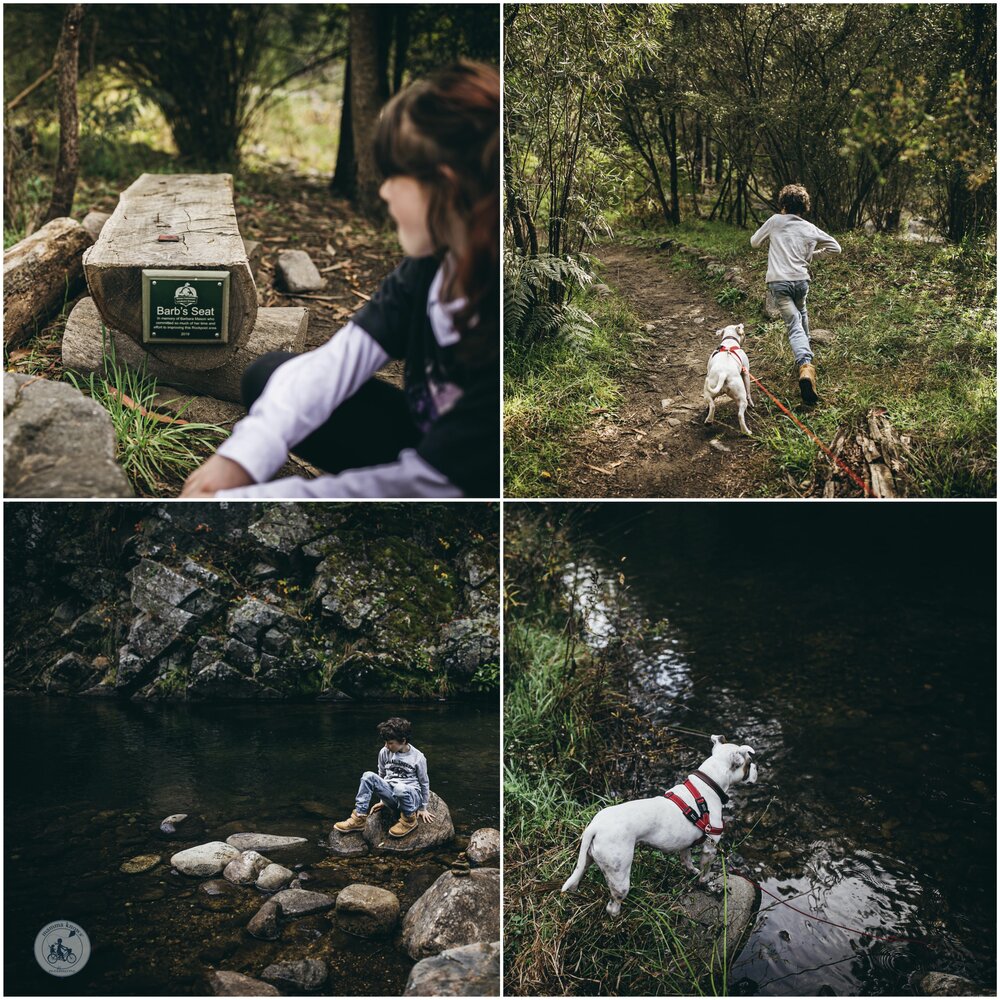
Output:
x=185 y=307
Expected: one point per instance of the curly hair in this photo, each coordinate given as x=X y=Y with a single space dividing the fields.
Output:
x=394 y=729
x=794 y=198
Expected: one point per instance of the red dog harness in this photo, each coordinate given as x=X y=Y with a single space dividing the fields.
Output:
x=700 y=818
x=737 y=352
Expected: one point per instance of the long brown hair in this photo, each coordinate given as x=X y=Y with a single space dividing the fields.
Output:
x=452 y=119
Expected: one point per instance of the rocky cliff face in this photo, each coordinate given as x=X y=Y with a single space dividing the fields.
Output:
x=252 y=600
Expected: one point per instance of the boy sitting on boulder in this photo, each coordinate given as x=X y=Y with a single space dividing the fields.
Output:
x=401 y=783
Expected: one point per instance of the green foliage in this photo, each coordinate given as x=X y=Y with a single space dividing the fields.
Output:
x=537 y=292
x=730 y=295
x=549 y=388
x=486 y=679
x=152 y=452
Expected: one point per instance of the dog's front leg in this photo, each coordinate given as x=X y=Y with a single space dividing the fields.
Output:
x=746 y=385
x=708 y=853
x=686 y=861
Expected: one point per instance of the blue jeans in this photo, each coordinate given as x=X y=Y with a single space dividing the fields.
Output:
x=790 y=298
x=405 y=798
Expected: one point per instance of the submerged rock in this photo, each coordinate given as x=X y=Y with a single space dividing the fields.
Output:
x=142 y=863
x=235 y=984
x=306 y=974
x=302 y=902
x=454 y=911
x=470 y=971
x=245 y=869
x=484 y=847
x=205 y=860
x=941 y=984
x=273 y=878
x=347 y=845
x=427 y=835
x=265 y=925
x=262 y=841
x=366 y=910
x=182 y=825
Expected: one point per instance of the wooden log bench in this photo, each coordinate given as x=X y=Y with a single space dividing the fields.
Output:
x=171 y=222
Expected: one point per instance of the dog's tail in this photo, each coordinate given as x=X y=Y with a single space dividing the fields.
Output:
x=582 y=861
x=713 y=390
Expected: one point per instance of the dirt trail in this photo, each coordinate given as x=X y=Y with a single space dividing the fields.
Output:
x=656 y=444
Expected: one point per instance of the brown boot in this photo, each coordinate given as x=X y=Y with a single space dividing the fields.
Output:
x=807 y=383
x=407 y=824
x=352 y=825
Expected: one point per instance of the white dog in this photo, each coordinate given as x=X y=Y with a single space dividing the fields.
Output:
x=729 y=374
x=674 y=822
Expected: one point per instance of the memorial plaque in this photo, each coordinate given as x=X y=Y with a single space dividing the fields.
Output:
x=185 y=307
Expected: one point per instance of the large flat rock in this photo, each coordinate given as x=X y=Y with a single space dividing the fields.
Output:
x=87 y=342
x=57 y=442
x=427 y=835
x=263 y=841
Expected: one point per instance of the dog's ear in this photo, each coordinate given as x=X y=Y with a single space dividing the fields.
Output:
x=741 y=329
x=737 y=759
x=716 y=740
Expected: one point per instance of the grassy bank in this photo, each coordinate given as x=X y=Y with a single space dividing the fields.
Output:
x=573 y=744
x=913 y=330
x=551 y=386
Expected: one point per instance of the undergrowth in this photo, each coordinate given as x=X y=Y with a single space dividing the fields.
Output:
x=154 y=453
x=550 y=387
x=573 y=745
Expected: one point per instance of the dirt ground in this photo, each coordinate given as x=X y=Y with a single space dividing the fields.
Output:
x=657 y=444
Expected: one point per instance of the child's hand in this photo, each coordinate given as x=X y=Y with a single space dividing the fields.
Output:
x=217 y=473
x=424 y=815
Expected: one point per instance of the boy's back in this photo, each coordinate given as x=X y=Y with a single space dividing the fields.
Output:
x=793 y=243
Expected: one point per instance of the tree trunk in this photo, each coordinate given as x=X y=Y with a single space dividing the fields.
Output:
x=402 y=29
x=345 y=174
x=367 y=97
x=68 y=163
x=675 y=198
x=39 y=274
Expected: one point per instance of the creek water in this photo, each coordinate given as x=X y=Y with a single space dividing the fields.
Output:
x=857 y=654
x=88 y=781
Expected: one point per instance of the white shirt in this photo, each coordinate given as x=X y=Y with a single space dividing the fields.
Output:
x=793 y=243
x=302 y=393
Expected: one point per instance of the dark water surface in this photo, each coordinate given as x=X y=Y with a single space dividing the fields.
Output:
x=857 y=654
x=88 y=782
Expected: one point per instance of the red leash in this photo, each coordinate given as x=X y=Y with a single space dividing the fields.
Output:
x=854 y=930
x=788 y=413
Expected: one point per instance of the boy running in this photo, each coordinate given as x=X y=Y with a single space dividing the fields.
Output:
x=793 y=244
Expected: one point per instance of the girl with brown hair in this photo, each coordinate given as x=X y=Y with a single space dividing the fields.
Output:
x=437 y=143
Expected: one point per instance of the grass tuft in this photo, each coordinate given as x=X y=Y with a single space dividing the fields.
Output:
x=155 y=455
x=551 y=386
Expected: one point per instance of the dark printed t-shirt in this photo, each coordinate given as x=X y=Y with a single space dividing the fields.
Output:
x=455 y=407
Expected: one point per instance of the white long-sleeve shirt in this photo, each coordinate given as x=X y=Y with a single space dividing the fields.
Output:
x=793 y=244
x=299 y=396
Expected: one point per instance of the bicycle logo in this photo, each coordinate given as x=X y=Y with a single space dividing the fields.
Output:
x=62 y=948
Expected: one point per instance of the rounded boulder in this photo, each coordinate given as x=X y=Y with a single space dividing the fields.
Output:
x=205 y=860
x=438 y=831
x=455 y=911
x=366 y=910
x=484 y=848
